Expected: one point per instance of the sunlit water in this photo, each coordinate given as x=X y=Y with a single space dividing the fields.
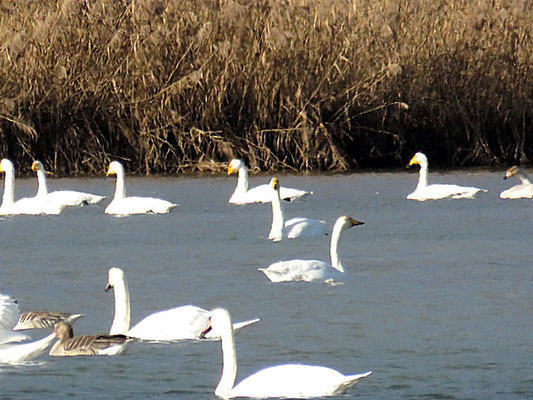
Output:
x=437 y=302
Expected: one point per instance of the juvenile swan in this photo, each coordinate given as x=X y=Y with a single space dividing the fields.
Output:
x=294 y=227
x=258 y=194
x=522 y=191
x=122 y=205
x=179 y=323
x=69 y=198
x=287 y=380
x=424 y=191
x=314 y=270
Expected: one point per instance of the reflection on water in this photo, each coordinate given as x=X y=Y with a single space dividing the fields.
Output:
x=438 y=301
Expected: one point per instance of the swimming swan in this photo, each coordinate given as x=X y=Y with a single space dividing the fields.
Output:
x=64 y=197
x=287 y=381
x=424 y=191
x=258 y=194
x=314 y=270
x=10 y=351
x=294 y=227
x=28 y=205
x=522 y=191
x=122 y=205
x=180 y=323
x=87 y=345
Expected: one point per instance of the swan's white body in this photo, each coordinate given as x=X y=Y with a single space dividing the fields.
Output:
x=424 y=191
x=179 y=323
x=122 y=205
x=288 y=380
x=295 y=227
x=68 y=198
x=522 y=191
x=258 y=194
x=10 y=351
x=313 y=270
x=28 y=205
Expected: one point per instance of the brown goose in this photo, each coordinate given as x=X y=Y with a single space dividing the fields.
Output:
x=43 y=319
x=88 y=345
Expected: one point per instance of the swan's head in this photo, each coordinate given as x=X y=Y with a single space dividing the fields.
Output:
x=234 y=166
x=37 y=166
x=6 y=165
x=420 y=159
x=115 y=168
x=62 y=331
x=346 y=222
x=511 y=172
x=219 y=320
x=114 y=277
x=274 y=183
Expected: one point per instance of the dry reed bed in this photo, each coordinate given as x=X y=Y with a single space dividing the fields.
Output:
x=186 y=85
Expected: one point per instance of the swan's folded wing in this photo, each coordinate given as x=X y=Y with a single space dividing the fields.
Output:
x=9 y=312
x=296 y=270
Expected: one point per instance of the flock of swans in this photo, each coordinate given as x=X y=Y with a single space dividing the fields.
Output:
x=190 y=322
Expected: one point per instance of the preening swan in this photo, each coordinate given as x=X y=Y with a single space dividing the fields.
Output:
x=28 y=205
x=295 y=227
x=88 y=345
x=43 y=319
x=179 y=323
x=522 y=191
x=288 y=380
x=11 y=352
x=314 y=270
x=424 y=191
x=61 y=197
x=122 y=205
x=258 y=194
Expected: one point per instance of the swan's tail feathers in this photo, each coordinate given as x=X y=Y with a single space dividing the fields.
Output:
x=351 y=380
x=239 y=325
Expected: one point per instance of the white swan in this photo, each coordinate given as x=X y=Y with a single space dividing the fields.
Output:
x=258 y=194
x=522 y=191
x=63 y=197
x=28 y=205
x=294 y=227
x=424 y=191
x=314 y=270
x=87 y=345
x=287 y=381
x=180 y=323
x=11 y=352
x=122 y=205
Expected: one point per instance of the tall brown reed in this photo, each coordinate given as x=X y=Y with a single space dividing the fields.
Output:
x=319 y=85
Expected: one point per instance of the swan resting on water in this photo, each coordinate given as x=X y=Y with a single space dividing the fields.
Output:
x=522 y=191
x=122 y=205
x=313 y=270
x=424 y=191
x=175 y=324
x=27 y=205
x=258 y=194
x=287 y=380
x=63 y=197
x=294 y=227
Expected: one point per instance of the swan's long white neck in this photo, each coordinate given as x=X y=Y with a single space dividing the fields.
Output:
x=229 y=362
x=41 y=179
x=120 y=189
x=242 y=180
x=423 y=177
x=27 y=351
x=333 y=247
x=276 y=230
x=122 y=320
x=9 y=188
